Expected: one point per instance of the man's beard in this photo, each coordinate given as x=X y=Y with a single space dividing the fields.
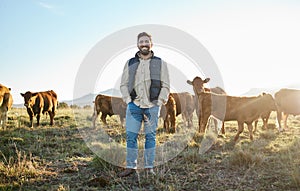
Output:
x=145 y=50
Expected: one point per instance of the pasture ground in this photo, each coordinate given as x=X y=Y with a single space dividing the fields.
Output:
x=57 y=158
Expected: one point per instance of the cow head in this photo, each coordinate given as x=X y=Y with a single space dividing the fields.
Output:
x=198 y=84
x=29 y=99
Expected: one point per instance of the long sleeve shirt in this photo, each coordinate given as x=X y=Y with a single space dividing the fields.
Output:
x=142 y=84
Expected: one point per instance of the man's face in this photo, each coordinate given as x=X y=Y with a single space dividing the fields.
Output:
x=144 y=45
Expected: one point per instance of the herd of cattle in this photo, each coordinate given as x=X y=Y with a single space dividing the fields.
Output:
x=205 y=102
x=215 y=102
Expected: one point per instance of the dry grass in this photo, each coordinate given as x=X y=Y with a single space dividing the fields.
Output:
x=21 y=168
x=62 y=158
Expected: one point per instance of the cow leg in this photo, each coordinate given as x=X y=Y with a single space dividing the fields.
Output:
x=198 y=112
x=51 y=114
x=240 y=130
x=190 y=119
x=279 y=116
x=204 y=120
x=255 y=126
x=285 y=117
x=166 y=124
x=172 y=118
x=4 y=118
x=103 y=118
x=38 y=116
x=31 y=120
x=265 y=121
x=250 y=128
x=199 y=123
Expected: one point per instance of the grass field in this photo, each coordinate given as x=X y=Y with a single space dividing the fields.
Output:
x=63 y=157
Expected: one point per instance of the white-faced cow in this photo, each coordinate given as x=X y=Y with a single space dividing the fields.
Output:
x=288 y=103
x=108 y=105
x=38 y=103
x=5 y=104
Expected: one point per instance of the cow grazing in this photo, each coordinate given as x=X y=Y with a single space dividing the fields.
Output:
x=265 y=117
x=5 y=104
x=288 y=103
x=228 y=108
x=108 y=105
x=38 y=103
x=168 y=113
x=199 y=86
x=178 y=103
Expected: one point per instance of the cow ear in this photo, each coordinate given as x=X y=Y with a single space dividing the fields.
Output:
x=22 y=94
x=189 y=82
x=206 y=80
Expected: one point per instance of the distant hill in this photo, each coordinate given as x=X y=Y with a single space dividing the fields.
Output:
x=273 y=90
x=89 y=98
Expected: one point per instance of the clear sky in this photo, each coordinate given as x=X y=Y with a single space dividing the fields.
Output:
x=42 y=43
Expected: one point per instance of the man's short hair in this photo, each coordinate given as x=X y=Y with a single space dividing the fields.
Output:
x=144 y=34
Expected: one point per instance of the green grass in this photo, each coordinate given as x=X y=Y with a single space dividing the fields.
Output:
x=66 y=156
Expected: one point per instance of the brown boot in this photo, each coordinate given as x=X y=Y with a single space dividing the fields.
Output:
x=126 y=172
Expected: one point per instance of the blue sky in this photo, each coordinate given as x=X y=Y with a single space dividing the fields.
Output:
x=42 y=43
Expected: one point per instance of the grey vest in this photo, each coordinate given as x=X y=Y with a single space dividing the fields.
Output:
x=155 y=72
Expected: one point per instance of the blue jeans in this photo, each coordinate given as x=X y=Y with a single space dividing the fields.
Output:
x=134 y=118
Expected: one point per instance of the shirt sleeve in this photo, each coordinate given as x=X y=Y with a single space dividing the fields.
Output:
x=165 y=79
x=124 y=84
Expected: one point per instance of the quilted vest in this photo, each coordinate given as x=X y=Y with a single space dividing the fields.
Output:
x=155 y=71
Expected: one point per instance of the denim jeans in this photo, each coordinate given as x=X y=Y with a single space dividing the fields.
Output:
x=134 y=118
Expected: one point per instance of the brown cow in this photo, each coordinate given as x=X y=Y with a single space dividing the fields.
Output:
x=38 y=103
x=108 y=105
x=178 y=103
x=265 y=117
x=5 y=104
x=228 y=108
x=185 y=106
x=198 y=86
x=168 y=113
x=288 y=102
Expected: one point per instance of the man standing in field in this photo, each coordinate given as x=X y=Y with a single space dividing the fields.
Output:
x=145 y=86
